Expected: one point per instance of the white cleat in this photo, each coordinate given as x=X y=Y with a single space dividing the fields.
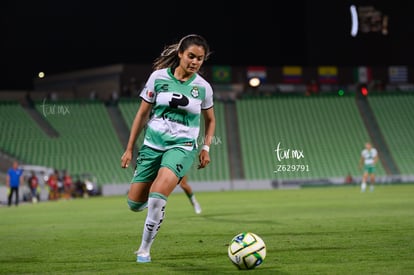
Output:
x=197 y=207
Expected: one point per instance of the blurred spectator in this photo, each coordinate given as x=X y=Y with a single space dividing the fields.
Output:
x=14 y=179
x=67 y=185
x=349 y=179
x=79 y=188
x=33 y=183
x=59 y=182
x=52 y=182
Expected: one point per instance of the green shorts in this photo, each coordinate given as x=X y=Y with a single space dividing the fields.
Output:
x=149 y=161
x=369 y=169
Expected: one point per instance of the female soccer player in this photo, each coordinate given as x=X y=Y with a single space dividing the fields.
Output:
x=369 y=158
x=174 y=97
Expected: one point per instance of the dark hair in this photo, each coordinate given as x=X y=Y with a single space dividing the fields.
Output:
x=169 y=56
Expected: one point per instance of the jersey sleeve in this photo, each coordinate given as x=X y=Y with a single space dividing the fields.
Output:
x=148 y=92
x=208 y=101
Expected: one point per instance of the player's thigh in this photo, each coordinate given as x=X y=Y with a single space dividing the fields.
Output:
x=165 y=182
x=146 y=170
x=138 y=191
x=174 y=166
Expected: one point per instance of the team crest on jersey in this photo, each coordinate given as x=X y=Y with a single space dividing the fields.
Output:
x=194 y=92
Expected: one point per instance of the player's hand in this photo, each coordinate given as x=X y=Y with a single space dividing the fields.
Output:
x=126 y=159
x=204 y=159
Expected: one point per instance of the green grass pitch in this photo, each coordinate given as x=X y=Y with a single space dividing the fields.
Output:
x=320 y=230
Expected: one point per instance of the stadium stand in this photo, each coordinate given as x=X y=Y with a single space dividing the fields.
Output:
x=87 y=141
x=314 y=137
x=19 y=133
x=394 y=113
x=326 y=129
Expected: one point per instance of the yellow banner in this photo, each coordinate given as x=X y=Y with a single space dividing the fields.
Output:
x=327 y=70
x=292 y=70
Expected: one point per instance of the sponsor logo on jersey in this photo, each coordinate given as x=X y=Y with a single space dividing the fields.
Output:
x=164 y=87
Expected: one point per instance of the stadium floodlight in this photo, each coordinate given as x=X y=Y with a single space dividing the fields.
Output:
x=254 y=82
x=354 y=20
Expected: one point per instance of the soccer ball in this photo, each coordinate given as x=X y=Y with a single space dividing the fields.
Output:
x=247 y=250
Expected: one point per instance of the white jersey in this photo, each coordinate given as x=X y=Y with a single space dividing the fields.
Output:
x=176 y=112
x=369 y=156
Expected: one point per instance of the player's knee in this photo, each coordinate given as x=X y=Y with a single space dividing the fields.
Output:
x=137 y=206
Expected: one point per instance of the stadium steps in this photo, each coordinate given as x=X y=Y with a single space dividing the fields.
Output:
x=233 y=141
x=43 y=124
x=119 y=124
x=376 y=136
x=128 y=109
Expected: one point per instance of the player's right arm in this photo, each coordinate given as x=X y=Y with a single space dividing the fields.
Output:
x=376 y=157
x=138 y=124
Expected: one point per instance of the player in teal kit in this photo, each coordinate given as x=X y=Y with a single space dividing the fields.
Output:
x=369 y=158
x=172 y=102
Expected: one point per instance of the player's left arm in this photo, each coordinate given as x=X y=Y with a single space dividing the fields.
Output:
x=209 y=126
x=376 y=158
